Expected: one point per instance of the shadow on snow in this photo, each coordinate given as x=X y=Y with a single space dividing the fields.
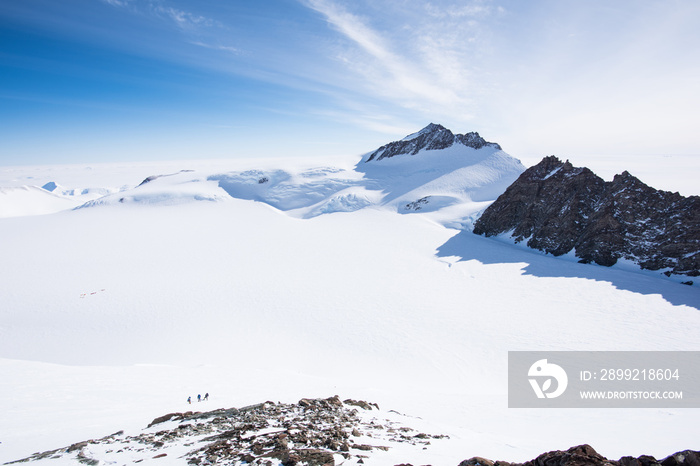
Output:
x=468 y=246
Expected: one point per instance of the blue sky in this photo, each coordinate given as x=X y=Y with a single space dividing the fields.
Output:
x=111 y=80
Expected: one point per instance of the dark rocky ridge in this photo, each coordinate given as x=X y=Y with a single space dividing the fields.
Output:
x=432 y=137
x=148 y=179
x=558 y=208
x=585 y=455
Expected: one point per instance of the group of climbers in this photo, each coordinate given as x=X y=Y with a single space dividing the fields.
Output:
x=199 y=398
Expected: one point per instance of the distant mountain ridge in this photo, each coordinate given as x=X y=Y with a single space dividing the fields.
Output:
x=448 y=179
x=432 y=137
x=559 y=208
x=451 y=174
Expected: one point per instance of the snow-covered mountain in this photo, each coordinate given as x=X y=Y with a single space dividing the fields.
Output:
x=277 y=280
x=435 y=170
x=432 y=170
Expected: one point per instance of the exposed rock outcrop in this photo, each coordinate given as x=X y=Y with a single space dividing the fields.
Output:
x=585 y=455
x=148 y=179
x=313 y=432
x=432 y=137
x=558 y=208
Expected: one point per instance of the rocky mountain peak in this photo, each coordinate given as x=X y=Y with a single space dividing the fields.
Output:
x=432 y=137
x=558 y=208
x=431 y=128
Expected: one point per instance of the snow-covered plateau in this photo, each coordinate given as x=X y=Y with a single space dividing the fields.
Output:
x=127 y=288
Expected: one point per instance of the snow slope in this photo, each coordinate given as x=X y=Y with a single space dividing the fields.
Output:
x=210 y=281
x=16 y=201
x=31 y=200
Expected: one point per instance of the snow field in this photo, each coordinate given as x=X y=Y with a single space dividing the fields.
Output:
x=260 y=305
x=112 y=315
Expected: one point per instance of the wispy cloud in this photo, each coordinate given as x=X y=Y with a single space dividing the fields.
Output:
x=459 y=11
x=395 y=74
x=422 y=60
x=224 y=48
x=119 y=3
x=469 y=64
x=373 y=121
x=183 y=19
x=158 y=8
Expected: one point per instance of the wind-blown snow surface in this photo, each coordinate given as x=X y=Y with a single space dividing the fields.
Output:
x=113 y=314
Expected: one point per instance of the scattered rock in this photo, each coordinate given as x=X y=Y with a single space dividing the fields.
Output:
x=77 y=446
x=643 y=460
x=314 y=457
x=361 y=404
x=308 y=433
x=417 y=204
x=84 y=459
x=682 y=458
x=305 y=403
x=166 y=418
x=576 y=456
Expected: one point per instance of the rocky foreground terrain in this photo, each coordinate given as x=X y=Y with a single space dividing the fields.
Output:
x=558 y=208
x=313 y=432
